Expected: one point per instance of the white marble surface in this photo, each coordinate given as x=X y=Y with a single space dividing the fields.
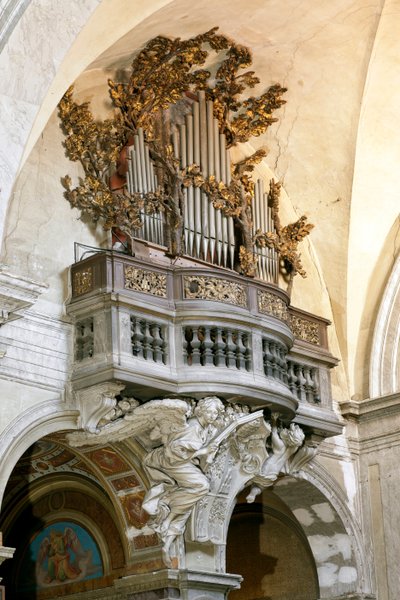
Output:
x=28 y=64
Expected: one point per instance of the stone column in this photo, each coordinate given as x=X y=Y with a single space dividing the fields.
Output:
x=4 y=551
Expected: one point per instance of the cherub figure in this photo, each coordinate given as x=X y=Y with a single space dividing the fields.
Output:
x=284 y=445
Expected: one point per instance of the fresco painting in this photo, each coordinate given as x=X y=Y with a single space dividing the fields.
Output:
x=62 y=553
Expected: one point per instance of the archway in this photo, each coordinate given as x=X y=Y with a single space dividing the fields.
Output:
x=276 y=561
x=75 y=519
x=304 y=542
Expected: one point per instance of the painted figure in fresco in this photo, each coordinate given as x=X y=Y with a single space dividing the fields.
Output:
x=55 y=549
x=174 y=468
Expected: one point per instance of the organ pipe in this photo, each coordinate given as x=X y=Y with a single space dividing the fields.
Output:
x=209 y=235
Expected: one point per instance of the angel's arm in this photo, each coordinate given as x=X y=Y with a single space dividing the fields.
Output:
x=276 y=442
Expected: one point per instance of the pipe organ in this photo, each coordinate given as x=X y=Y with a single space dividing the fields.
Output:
x=209 y=235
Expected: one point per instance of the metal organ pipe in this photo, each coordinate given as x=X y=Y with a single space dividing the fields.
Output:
x=208 y=233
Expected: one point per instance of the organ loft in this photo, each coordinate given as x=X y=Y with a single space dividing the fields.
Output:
x=179 y=417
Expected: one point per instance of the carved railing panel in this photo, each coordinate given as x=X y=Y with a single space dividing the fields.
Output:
x=217 y=346
x=148 y=340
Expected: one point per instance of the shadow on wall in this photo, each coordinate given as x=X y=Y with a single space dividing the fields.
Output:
x=268 y=548
x=17 y=533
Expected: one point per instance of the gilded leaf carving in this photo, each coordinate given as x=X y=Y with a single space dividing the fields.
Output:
x=213 y=288
x=168 y=72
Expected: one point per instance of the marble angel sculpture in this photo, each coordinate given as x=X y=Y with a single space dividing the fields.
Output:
x=175 y=468
x=288 y=454
x=181 y=441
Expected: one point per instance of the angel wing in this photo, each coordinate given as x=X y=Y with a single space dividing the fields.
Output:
x=43 y=550
x=156 y=417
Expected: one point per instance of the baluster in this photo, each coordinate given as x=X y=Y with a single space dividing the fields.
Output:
x=247 y=352
x=196 y=346
x=187 y=348
x=292 y=379
x=283 y=364
x=240 y=351
x=219 y=355
x=308 y=384
x=300 y=383
x=275 y=361
x=268 y=358
x=230 y=348
x=315 y=378
x=208 y=357
x=147 y=340
x=137 y=337
x=158 y=343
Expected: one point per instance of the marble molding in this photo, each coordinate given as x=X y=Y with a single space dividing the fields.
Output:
x=17 y=294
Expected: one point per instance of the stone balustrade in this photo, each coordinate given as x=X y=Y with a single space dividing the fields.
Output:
x=192 y=330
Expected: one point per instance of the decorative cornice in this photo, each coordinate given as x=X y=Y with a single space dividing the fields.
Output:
x=371 y=408
x=17 y=294
x=199 y=287
x=149 y=282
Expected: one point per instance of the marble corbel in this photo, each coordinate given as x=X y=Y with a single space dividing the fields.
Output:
x=5 y=552
x=99 y=406
x=199 y=457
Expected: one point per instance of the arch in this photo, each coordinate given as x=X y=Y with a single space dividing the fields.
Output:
x=31 y=425
x=320 y=508
x=384 y=374
x=343 y=564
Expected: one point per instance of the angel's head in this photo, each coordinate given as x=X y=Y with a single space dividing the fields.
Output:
x=209 y=409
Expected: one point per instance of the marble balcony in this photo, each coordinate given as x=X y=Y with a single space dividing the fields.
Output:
x=162 y=328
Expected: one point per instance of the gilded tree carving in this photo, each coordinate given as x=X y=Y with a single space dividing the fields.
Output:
x=163 y=74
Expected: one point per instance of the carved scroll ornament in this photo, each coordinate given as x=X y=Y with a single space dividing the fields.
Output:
x=199 y=456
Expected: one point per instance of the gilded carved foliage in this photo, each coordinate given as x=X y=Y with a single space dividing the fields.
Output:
x=166 y=72
x=150 y=282
x=270 y=304
x=83 y=281
x=213 y=288
x=305 y=330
